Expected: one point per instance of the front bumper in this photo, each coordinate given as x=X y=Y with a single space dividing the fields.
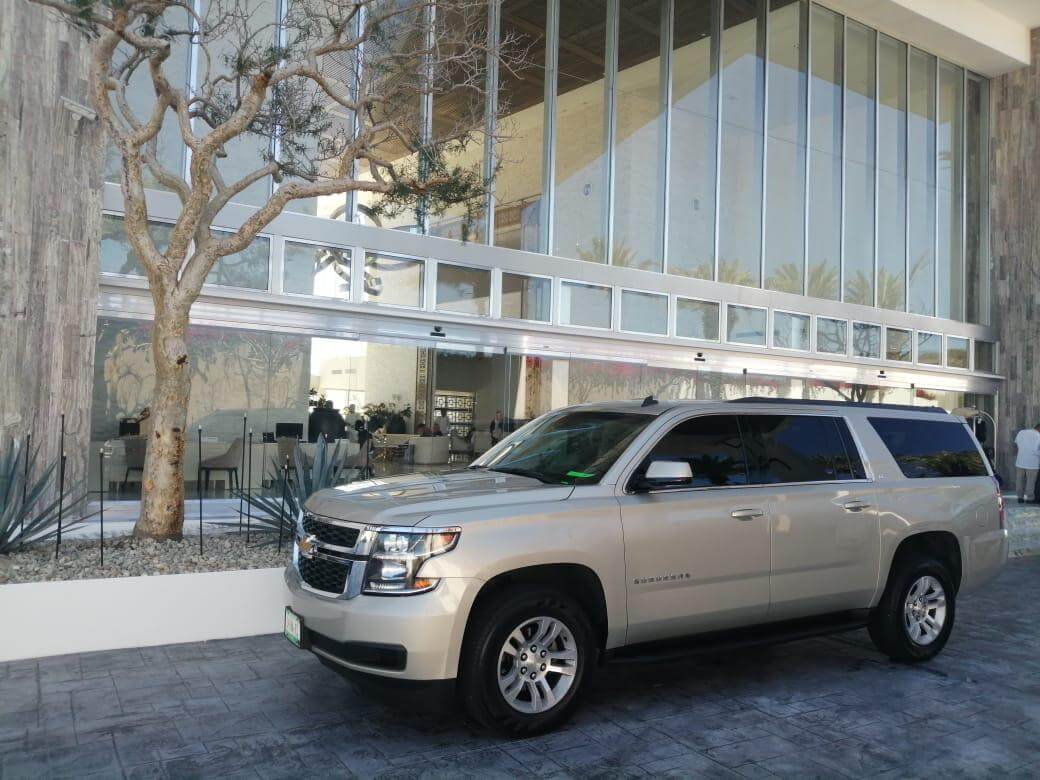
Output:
x=427 y=627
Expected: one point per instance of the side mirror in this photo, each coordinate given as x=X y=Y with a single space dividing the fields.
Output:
x=667 y=473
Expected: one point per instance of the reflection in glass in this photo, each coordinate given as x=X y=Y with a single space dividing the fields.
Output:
x=957 y=352
x=644 y=312
x=578 y=229
x=866 y=340
x=950 y=154
x=891 y=149
x=743 y=99
x=697 y=319
x=639 y=139
x=463 y=290
x=746 y=325
x=825 y=155
x=694 y=120
x=859 y=165
x=521 y=94
x=394 y=280
x=929 y=348
x=791 y=331
x=312 y=269
x=587 y=305
x=832 y=336
x=976 y=250
x=921 y=170
x=117 y=256
x=985 y=356
x=248 y=269
x=526 y=297
x=785 y=153
x=898 y=345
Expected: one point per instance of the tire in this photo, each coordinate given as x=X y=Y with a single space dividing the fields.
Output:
x=914 y=619
x=489 y=674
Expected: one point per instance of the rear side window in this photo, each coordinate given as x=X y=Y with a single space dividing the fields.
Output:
x=930 y=448
x=710 y=444
x=794 y=448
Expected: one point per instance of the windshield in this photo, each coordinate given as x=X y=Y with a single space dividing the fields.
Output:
x=568 y=449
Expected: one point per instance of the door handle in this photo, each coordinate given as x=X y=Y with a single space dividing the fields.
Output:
x=855 y=506
x=747 y=514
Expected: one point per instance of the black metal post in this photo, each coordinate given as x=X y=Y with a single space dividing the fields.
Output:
x=101 y=500
x=249 y=486
x=241 y=471
x=281 y=511
x=200 y=490
x=25 y=485
x=61 y=498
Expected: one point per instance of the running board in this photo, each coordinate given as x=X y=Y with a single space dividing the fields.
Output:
x=734 y=639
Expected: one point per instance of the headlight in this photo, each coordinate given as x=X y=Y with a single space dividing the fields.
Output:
x=399 y=553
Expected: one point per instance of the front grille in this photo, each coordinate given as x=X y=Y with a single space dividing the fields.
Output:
x=323 y=575
x=329 y=533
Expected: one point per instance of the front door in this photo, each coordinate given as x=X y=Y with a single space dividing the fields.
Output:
x=697 y=556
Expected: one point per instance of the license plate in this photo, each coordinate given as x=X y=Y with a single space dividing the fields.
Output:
x=292 y=628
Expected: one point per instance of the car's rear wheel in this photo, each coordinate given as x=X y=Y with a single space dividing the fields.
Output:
x=525 y=659
x=914 y=619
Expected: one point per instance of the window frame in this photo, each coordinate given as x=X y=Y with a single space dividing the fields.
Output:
x=766 y=330
x=947 y=338
x=719 y=306
x=501 y=295
x=121 y=216
x=816 y=335
x=459 y=264
x=812 y=331
x=913 y=344
x=350 y=250
x=637 y=291
x=423 y=291
x=881 y=343
x=917 y=348
x=561 y=281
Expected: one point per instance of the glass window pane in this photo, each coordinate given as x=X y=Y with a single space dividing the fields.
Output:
x=639 y=139
x=925 y=449
x=463 y=290
x=694 y=120
x=929 y=349
x=743 y=102
x=248 y=269
x=898 y=344
x=832 y=336
x=791 y=331
x=311 y=269
x=866 y=340
x=697 y=319
x=117 y=256
x=793 y=448
x=785 y=153
x=578 y=229
x=746 y=325
x=957 y=352
x=985 y=356
x=711 y=445
x=921 y=170
x=859 y=165
x=521 y=105
x=644 y=312
x=976 y=250
x=950 y=154
x=394 y=280
x=825 y=155
x=526 y=297
x=587 y=305
x=891 y=274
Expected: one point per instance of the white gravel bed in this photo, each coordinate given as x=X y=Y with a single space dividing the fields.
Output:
x=129 y=557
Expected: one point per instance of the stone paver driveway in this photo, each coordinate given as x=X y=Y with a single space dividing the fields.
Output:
x=817 y=708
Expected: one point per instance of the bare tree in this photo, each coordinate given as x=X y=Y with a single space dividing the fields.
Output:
x=333 y=93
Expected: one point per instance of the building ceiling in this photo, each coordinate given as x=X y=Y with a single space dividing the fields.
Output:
x=1025 y=12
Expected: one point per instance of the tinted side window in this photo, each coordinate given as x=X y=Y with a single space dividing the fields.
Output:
x=712 y=447
x=793 y=448
x=930 y=448
x=857 y=471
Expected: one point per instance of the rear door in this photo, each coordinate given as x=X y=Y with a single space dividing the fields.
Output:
x=697 y=557
x=824 y=518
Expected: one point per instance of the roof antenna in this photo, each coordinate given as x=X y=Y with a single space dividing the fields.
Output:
x=649 y=401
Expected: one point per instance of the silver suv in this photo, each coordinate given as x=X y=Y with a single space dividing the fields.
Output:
x=612 y=528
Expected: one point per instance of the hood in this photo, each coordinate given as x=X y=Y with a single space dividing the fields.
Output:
x=407 y=499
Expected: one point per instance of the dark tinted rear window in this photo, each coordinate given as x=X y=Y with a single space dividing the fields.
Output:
x=794 y=448
x=710 y=444
x=930 y=448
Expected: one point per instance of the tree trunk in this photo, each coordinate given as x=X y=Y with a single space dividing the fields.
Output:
x=162 y=484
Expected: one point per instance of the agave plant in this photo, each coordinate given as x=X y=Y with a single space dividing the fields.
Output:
x=28 y=513
x=327 y=470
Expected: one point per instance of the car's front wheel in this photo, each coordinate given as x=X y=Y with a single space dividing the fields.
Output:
x=526 y=656
x=915 y=616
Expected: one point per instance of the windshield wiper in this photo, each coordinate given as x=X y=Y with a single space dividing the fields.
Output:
x=521 y=473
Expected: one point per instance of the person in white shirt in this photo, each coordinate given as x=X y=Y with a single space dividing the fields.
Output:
x=442 y=421
x=1027 y=461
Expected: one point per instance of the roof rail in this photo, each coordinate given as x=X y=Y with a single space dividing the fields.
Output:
x=752 y=399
